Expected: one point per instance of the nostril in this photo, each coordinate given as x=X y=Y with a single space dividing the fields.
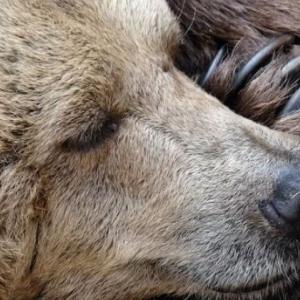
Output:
x=283 y=211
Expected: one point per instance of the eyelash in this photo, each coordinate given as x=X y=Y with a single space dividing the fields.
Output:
x=93 y=136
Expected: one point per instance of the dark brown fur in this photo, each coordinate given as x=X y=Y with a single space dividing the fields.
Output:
x=246 y=27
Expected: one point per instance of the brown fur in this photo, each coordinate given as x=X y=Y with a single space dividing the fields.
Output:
x=246 y=27
x=120 y=178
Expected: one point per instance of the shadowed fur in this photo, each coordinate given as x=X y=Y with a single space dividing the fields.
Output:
x=245 y=27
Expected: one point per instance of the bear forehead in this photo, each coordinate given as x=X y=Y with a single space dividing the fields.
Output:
x=149 y=19
x=150 y=23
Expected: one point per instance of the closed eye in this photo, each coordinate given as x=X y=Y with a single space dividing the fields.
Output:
x=93 y=135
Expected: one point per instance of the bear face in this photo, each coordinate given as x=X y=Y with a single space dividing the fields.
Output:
x=120 y=178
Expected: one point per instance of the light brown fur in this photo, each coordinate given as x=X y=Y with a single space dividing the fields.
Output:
x=167 y=203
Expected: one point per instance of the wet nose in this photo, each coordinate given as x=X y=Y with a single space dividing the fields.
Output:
x=283 y=211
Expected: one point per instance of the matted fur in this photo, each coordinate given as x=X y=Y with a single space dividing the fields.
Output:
x=120 y=178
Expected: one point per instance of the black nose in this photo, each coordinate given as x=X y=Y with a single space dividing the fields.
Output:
x=283 y=211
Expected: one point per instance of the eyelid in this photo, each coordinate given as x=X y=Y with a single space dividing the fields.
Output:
x=92 y=136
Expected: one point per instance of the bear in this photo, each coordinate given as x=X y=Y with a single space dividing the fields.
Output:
x=120 y=177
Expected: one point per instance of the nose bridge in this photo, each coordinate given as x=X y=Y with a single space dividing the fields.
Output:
x=212 y=120
x=186 y=111
x=282 y=146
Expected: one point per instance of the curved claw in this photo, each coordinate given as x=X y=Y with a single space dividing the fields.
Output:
x=292 y=105
x=292 y=68
x=213 y=66
x=258 y=60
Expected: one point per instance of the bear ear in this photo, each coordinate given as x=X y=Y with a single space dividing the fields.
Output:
x=19 y=221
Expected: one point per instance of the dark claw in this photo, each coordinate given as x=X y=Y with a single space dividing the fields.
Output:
x=213 y=66
x=261 y=58
x=292 y=105
x=257 y=61
x=292 y=68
